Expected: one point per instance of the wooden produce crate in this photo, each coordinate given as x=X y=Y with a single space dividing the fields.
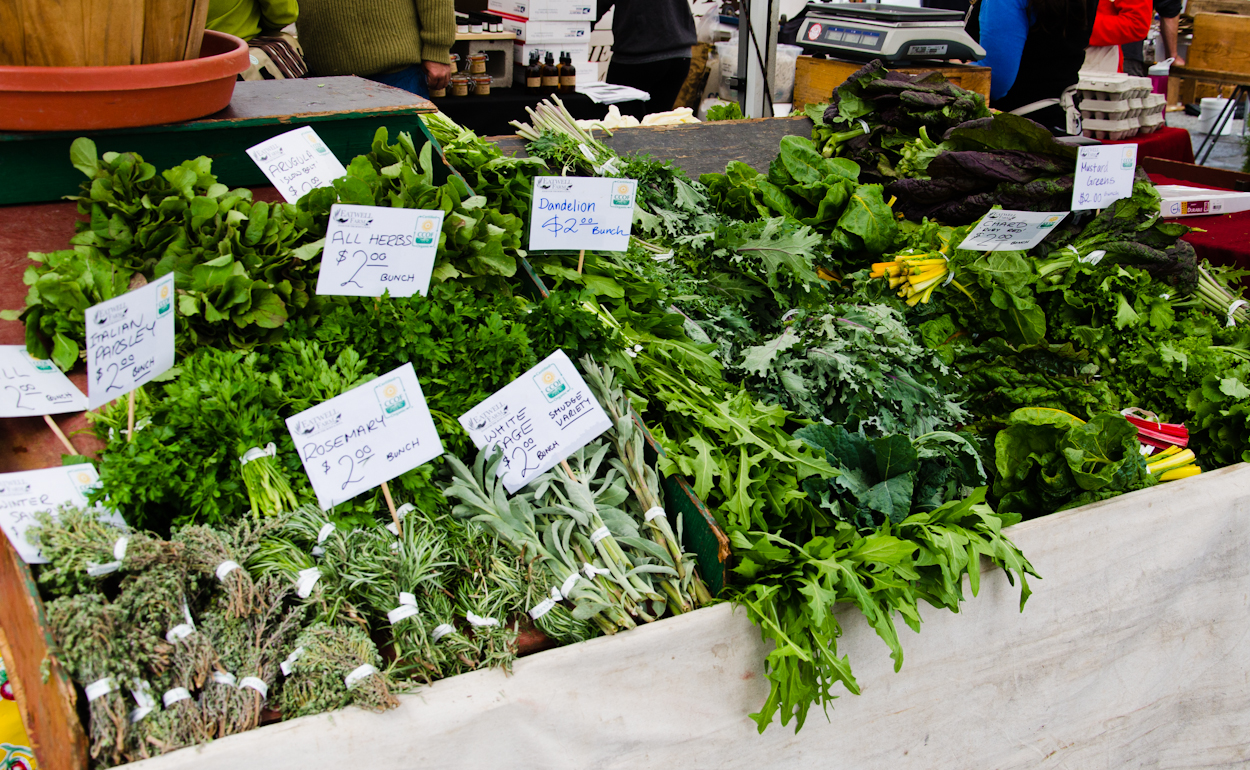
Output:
x=1221 y=50
x=345 y=111
x=1235 y=7
x=815 y=79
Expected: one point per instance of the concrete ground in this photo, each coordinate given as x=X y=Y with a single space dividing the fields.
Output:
x=1229 y=152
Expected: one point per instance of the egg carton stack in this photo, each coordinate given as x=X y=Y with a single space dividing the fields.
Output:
x=1117 y=106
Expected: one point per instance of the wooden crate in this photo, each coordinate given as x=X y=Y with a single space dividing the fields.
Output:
x=1235 y=7
x=815 y=79
x=1221 y=42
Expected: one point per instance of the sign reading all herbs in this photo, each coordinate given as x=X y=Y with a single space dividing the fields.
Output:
x=366 y=436
x=31 y=387
x=130 y=340
x=537 y=420
x=370 y=250
x=574 y=213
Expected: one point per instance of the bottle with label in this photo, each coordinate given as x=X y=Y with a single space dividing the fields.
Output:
x=551 y=75
x=534 y=75
x=568 y=73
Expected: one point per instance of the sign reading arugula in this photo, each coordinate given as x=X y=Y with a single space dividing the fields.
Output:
x=296 y=162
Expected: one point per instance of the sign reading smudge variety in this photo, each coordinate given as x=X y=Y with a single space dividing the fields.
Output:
x=537 y=420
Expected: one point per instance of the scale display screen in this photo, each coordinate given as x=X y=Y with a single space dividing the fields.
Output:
x=839 y=35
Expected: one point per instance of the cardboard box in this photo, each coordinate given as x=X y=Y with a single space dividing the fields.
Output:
x=562 y=32
x=546 y=10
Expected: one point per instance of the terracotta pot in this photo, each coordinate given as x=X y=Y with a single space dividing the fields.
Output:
x=94 y=98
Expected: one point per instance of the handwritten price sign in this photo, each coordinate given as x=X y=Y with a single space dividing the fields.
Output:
x=537 y=420
x=1002 y=230
x=370 y=250
x=130 y=340
x=368 y=435
x=1104 y=175
x=296 y=162
x=30 y=387
x=574 y=213
x=26 y=493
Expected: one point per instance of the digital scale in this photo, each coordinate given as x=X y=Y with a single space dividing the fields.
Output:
x=892 y=33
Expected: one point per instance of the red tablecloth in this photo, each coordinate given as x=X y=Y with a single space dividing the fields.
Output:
x=1169 y=143
x=1225 y=238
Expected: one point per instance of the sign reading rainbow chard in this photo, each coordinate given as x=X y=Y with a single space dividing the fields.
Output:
x=572 y=213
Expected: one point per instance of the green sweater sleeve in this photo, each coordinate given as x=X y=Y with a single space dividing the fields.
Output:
x=276 y=14
x=438 y=29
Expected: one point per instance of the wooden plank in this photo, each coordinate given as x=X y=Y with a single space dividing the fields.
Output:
x=195 y=36
x=1221 y=43
x=12 y=44
x=109 y=34
x=697 y=148
x=1207 y=75
x=815 y=79
x=165 y=27
x=53 y=32
x=48 y=704
x=1191 y=172
x=1236 y=7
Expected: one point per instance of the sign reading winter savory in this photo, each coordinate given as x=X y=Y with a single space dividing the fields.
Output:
x=1002 y=230
x=537 y=420
x=576 y=212
x=366 y=436
x=371 y=250
x=1104 y=175
x=130 y=340
x=25 y=493
x=296 y=162
x=30 y=387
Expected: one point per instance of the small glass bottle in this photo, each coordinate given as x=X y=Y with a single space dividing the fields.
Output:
x=460 y=84
x=551 y=75
x=568 y=73
x=534 y=75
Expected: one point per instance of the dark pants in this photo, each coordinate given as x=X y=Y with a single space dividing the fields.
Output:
x=411 y=79
x=662 y=79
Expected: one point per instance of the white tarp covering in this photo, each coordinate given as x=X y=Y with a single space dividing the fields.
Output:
x=1134 y=651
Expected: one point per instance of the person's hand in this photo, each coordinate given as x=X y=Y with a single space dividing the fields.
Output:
x=1178 y=61
x=436 y=74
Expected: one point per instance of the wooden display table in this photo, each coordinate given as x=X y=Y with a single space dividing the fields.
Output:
x=345 y=111
x=815 y=79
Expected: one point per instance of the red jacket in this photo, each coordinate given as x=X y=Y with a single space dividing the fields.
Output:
x=1121 y=21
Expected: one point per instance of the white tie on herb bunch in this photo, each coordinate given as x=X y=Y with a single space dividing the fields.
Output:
x=84 y=545
x=221 y=554
x=268 y=489
x=319 y=677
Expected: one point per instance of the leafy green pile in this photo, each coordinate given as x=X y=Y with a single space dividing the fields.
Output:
x=802 y=185
x=856 y=366
x=243 y=267
x=1050 y=461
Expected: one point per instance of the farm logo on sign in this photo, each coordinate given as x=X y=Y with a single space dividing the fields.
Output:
x=426 y=233
x=551 y=383
x=310 y=426
x=164 y=302
x=392 y=397
x=83 y=481
x=621 y=196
